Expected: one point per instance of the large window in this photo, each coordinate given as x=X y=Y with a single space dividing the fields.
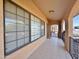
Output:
x=21 y=27
x=42 y=28
x=16 y=27
x=35 y=28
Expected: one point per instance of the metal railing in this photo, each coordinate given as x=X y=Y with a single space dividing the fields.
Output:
x=74 y=47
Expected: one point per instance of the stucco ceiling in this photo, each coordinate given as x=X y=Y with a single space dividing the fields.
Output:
x=59 y=6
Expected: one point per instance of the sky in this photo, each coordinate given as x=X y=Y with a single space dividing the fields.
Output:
x=76 y=21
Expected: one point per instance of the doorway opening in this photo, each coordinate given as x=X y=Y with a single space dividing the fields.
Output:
x=54 y=30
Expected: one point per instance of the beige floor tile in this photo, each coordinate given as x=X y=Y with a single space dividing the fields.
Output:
x=51 y=49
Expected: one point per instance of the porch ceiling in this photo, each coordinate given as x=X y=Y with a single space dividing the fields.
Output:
x=60 y=7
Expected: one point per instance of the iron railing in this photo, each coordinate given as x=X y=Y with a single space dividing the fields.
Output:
x=74 y=47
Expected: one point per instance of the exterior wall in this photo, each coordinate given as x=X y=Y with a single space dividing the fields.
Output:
x=1 y=31
x=74 y=11
x=24 y=52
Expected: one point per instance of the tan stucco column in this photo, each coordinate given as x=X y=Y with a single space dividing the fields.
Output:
x=1 y=31
x=48 y=31
x=66 y=36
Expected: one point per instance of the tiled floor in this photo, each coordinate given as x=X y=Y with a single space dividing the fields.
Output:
x=51 y=49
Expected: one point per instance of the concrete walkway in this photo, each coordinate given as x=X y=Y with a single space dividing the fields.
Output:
x=51 y=49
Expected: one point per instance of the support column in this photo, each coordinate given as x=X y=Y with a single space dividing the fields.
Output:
x=48 y=31
x=1 y=31
x=59 y=29
x=66 y=35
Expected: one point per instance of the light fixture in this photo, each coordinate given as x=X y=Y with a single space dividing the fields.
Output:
x=51 y=11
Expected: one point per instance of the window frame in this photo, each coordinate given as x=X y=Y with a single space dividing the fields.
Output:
x=5 y=54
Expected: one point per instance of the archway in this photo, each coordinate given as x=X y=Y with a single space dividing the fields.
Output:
x=54 y=30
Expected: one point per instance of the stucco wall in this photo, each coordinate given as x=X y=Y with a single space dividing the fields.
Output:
x=1 y=31
x=74 y=11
